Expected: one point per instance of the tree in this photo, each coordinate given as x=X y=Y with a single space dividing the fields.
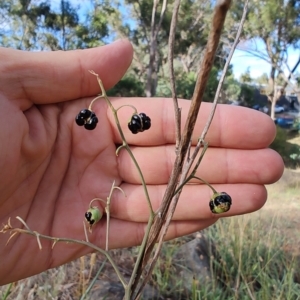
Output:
x=39 y=25
x=262 y=79
x=246 y=77
x=31 y=25
x=127 y=87
x=36 y=25
x=149 y=33
x=232 y=88
x=22 y=19
x=275 y=24
x=62 y=26
x=97 y=27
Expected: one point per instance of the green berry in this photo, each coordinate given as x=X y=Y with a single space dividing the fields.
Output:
x=93 y=215
x=220 y=203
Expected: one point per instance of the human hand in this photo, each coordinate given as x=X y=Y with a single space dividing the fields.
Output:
x=51 y=168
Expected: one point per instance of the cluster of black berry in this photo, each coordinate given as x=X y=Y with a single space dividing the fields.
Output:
x=220 y=203
x=139 y=123
x=87 y=118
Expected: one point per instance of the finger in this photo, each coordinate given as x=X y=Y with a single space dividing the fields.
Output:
x=122 y=234
x=232 y=126
x=133 y=233
x=51 y=77
x=219 y=165
x=193 y=203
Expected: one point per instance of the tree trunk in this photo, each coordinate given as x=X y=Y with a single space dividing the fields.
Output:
x=272 y=93
x=152 y=71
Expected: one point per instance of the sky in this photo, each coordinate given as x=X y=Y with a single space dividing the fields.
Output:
x=241 y=60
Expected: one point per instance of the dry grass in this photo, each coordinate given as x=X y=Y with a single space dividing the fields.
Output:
x=277 y=224
x=284 y=206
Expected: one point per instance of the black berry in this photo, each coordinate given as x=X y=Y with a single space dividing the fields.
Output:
x=135 y=124
x=88 y=216
x=146 y=121
x=79 y=121
x=85 y=113
x=91 y=123
x=139 y=123
x=86 y=118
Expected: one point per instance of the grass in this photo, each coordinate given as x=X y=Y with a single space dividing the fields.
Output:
x=256 y=256
x=287 y=143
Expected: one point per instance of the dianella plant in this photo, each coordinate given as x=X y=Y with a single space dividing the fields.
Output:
x=186 y=163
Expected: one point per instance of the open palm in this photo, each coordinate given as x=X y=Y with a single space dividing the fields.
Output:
x=51 y=168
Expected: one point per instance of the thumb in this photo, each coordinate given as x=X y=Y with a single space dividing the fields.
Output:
x=51 y=77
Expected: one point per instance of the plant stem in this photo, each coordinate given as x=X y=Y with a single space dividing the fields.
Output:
x=67 y=240
x=8 y=291
x=221 y=81
x=125 y=144
x=93 y=281
x=171 y=70
x=165 y=216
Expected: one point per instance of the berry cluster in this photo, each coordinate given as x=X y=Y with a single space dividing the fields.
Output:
x=139 y=123
x=87 y=118
x=220 y=203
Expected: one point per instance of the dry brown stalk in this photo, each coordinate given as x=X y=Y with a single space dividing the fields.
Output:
x=185 y=143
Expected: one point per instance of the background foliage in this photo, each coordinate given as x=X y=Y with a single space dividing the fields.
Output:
x=249 y=265
x=63 y=25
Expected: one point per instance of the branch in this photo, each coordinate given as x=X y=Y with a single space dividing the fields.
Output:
x=205 y=68
x=294 y=69
x=221 y=81
x=142 y=23
x=153 y=45
x=200 y=143
x=171 y=70
x=162 y=13
x=256 y=53
x=13 y=231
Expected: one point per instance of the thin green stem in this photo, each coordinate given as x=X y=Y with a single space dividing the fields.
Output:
x=142 y=179
x=68 y=240
x=107 y=210
x=93 y=281
x=192 y=175
x=125 y=144
x=214 y=191
x=127 y=105
x=141 y=252
x=8 y=291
